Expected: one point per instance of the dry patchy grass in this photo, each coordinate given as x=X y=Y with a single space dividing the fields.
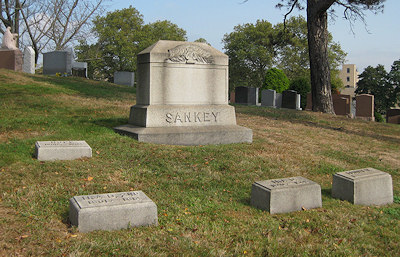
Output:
x=202 y=192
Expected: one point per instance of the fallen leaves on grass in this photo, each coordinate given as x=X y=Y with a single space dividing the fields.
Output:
x=89 y=178
x=21 y=237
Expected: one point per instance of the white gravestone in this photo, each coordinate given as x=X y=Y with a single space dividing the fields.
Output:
x=112 y=211
x=364 y=186
x=62 y=150
x=298 y=102
x=182 y=97
x=29 y=60
x=286 y=195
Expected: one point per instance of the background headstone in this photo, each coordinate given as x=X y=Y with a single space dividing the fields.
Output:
x=112 y=211
x=341 y=104
x=298 y=102
x=126 y=78
x=393 y=116
x=29 y=60
x=11 y=59
x=289 y=98
x=286 y=195
x=79 y=69
x=252 y=98
x=57 y=62
x=241 y=95
x=309 y=102
x=246 y=95
x=365 y=107
x=364 y=186
x=268 y=98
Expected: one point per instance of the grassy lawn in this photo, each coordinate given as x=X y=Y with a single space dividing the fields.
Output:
x=202 y=192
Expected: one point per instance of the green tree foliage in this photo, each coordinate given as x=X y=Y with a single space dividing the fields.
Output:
x=336 y=81
x=276 y=80
x=255 y=48
x=251 y=49
x=383 y=85
x=293 y=50
x=318 y=40
x=121 y=35
x=302 y=86
x=202 y=40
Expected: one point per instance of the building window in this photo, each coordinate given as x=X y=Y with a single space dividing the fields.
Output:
x=348 y=79
x=348 y=70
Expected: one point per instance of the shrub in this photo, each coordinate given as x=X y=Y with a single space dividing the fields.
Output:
x=276 y=80
x=301 y=86
x=378 y=117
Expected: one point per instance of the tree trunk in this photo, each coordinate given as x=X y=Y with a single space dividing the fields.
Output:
x=16 y=19
x=317 y=23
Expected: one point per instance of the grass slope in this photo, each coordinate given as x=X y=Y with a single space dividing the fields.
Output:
x=202 y=192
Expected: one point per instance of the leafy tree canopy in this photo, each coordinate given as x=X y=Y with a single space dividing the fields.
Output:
x=255 y=48
x=121 y=35
x=318 y=40
x=251 y=49
x=383 y=85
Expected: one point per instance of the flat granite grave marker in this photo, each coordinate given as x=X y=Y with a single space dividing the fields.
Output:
x=62 y=150
x=364 y=186
x=286 y=195
x=182 y=97
x=112 y=211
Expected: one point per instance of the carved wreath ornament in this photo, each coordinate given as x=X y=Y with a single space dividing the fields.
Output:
x=190 y=54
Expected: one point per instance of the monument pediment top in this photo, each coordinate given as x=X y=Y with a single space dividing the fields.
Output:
x=182 y=52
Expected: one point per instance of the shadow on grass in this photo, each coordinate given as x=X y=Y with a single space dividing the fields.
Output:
x=89 y=88
x=65 y=219
x=110 y=123
x=327 y=192
x=245 y=201
x=304 y=118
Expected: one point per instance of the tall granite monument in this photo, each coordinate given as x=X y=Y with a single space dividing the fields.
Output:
x=182 y=97
x=10 y=55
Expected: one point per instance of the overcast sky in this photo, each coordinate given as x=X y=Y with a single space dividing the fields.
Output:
x=378 y=43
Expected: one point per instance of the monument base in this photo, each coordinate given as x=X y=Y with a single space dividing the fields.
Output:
x=11 y=59
x=202 y=135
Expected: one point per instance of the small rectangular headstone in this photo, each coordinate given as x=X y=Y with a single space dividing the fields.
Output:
x=365 y=107
x=252 y=97
x=124 y=78
x=112 y=211
x=393 y=116
x=364 y=186
x=11 y=59
x=286 y=195
x=62 y=150
x=289 y=98
x=268 y=98
x=57 y=62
